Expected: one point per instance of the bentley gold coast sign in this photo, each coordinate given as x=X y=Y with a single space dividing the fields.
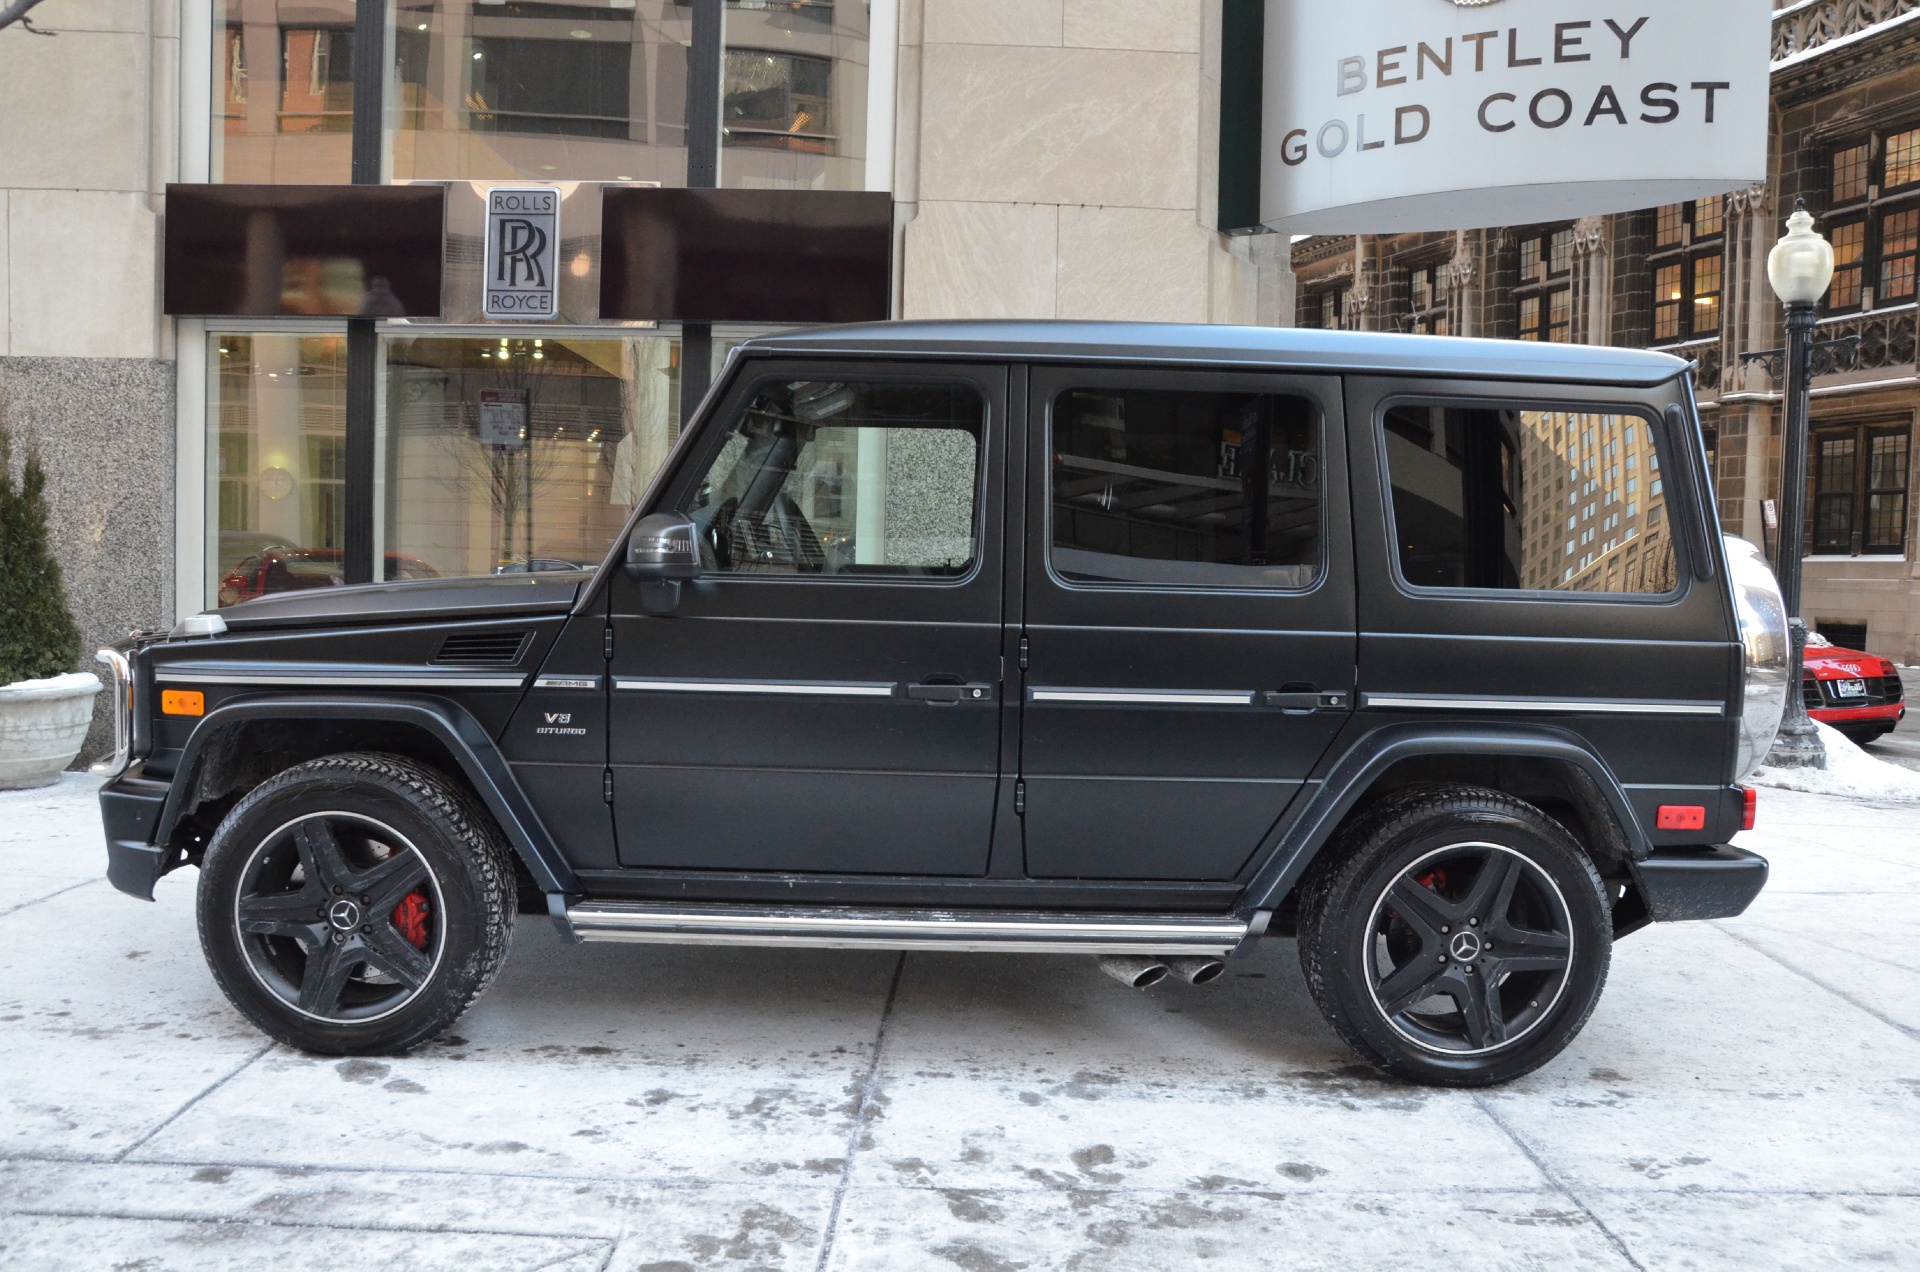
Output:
x=1389 y=115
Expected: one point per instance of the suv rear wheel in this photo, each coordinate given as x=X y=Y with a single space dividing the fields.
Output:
x=356 y=904
x=1455 y=936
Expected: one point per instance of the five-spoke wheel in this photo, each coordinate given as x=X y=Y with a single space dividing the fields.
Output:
x=355 y=904
x=1455 y=935
x=338 y=915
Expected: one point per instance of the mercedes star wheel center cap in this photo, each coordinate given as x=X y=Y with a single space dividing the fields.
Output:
x=1465 y=946
x=345 y=916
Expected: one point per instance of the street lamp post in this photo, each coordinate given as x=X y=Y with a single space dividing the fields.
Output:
x=1800 y=267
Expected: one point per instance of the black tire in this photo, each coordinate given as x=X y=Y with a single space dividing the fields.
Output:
x=388 y=873
x=1496 y=893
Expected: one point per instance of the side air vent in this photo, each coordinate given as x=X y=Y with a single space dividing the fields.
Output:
x=482 y=649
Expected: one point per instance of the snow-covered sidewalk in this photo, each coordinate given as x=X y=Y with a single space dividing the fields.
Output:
x=1747 y=1096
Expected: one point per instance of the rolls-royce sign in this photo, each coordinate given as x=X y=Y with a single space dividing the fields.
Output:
x=1389 y=115
x=523 y=252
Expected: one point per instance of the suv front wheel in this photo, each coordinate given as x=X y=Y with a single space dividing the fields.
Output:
x=1455 y=936
x=355 y=905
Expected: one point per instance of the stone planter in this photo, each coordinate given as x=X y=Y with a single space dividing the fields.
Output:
x=42 y=726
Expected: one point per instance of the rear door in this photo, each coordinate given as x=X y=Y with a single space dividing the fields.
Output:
x=1189 y=633
x=1520 y=559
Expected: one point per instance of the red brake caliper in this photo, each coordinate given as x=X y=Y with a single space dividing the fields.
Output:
x=410 y=916
x=1434 y=879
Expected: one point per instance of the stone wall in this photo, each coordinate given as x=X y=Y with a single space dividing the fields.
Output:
x=104 y=429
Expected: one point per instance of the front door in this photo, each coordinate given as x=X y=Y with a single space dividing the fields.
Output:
x=1189 y=616
x=827 y=696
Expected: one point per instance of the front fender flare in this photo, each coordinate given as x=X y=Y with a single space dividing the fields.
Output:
x=1368 y=759
x=479 y=759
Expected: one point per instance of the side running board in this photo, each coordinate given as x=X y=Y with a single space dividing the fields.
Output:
x=959 y=930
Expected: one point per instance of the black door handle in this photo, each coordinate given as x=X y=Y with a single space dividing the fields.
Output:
x=950 y=694
x=1304 y=702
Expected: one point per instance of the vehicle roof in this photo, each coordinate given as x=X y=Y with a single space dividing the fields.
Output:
x=1264 y=348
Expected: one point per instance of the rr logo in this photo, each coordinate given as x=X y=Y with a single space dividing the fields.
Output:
x=559 y=717
x=522 y=246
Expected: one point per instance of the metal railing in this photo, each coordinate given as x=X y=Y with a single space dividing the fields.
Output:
x=1803 y=27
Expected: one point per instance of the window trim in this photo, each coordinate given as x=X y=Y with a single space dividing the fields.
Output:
x=1095 y=379
x=1863 y=431
x=675 y=487
x=1664 y=450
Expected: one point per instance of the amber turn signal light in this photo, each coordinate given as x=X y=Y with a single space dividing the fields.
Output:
x=1682 y=817
x=186 y=702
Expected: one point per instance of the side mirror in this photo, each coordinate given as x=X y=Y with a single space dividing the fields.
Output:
x=662 y=553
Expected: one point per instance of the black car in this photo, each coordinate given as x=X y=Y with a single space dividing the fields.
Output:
x=1143 y=642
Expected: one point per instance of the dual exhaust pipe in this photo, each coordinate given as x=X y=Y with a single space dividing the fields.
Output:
x=1145 y=971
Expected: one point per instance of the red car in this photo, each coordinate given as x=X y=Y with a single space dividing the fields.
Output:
x=299 y=569
x=1858 y=694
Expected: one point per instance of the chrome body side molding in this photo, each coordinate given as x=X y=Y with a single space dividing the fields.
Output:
x=958 y=930
x=778 y=688
x=333 y=677
x=1146 y=697
x=1570 y=706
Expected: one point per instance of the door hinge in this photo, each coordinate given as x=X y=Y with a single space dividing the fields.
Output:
x=607 y=644
x=1023 y=653
x=1020 y=796
x=606 y=785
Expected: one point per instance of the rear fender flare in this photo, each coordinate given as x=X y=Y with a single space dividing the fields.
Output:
x=1370 y=758
x=479 y=759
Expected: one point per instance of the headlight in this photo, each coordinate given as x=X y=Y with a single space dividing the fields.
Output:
x=1764 y=640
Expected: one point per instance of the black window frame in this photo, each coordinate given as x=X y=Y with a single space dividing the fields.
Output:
x=1092 y=380
x=1663 y=449
x=1538 y=281
x=1313 y=303
x=1686 y=255
x=1874 y=208
x=1859 y=491
x=1421 y=321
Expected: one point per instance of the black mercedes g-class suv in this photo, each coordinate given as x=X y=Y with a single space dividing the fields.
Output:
x=1136 y=641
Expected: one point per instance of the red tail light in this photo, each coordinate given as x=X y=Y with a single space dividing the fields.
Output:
x=1750 y=813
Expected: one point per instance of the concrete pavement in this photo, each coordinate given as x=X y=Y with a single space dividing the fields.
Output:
x=1747 y=1095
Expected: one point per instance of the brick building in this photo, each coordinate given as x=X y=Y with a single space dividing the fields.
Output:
x=1691 y=279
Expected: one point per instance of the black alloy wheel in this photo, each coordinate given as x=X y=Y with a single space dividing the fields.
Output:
x=1455 y=936
x=339 y=917
x=1471 y=950
x=356 y=904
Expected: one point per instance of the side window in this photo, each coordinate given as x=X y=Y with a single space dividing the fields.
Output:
x=1528 y=500
x=846 y=479
x=1186 y=489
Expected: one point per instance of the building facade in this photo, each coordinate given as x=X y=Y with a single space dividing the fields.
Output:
x=1691 y=279
x=1042 y=158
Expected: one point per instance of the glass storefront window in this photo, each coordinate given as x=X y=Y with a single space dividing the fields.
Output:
x=589 y=90
x=517 y=452
x=283 y=91
x=279 y=481
x=794 y=95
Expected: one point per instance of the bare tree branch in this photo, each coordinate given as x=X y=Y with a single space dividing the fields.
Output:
x=17 y=12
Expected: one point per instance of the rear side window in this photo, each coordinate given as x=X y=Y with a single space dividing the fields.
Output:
x=1186 y=489
x=1528 y=500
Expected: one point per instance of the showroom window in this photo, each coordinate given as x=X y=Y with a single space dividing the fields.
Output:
x=1688 y=260
x=1186 y=489
x=1859 y=477
x=283 y=92
x=1873 y=221
x=794 y=95
x=277 y=455
x=1528 y=500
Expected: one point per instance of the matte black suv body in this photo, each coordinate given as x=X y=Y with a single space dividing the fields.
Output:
x=1133 y=703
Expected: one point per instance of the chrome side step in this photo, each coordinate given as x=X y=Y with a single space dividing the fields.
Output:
x=958 y=930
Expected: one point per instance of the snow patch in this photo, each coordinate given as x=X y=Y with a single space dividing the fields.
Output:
x=1850 y=773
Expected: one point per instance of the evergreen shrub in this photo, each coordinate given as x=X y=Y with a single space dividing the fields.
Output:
x=38 y=637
